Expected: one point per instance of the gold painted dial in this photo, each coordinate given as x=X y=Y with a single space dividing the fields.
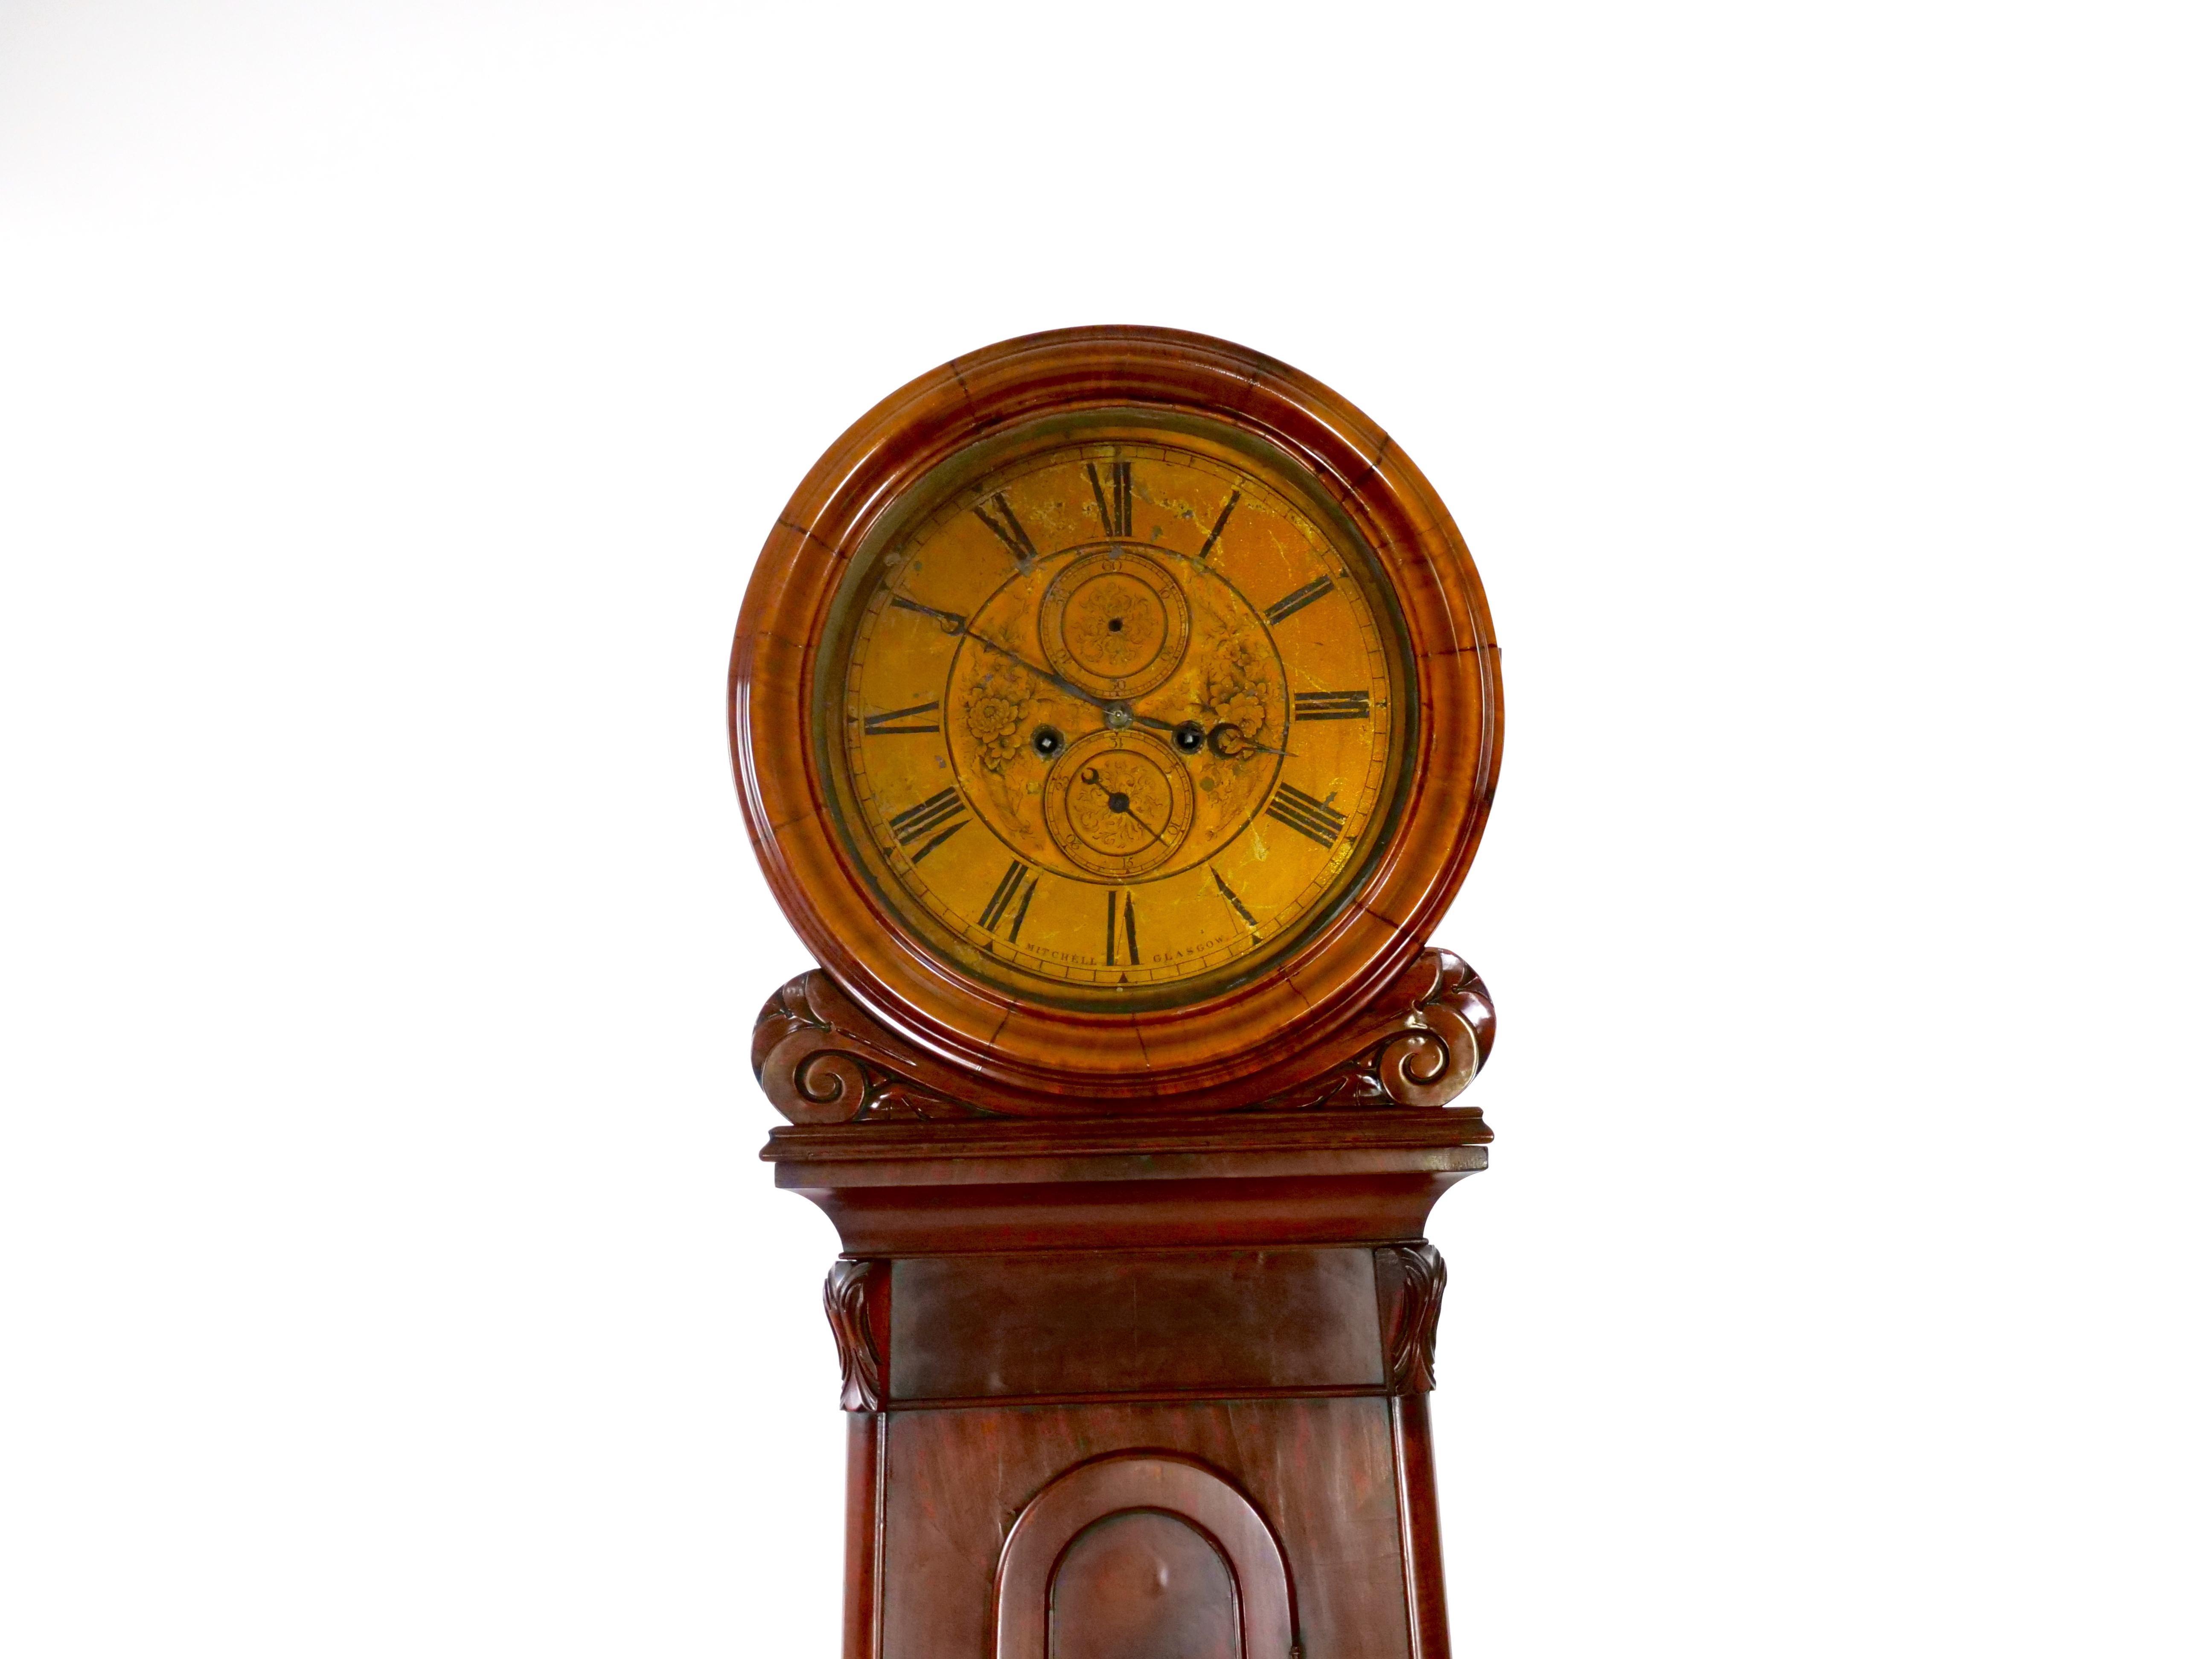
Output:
x=1117 y=720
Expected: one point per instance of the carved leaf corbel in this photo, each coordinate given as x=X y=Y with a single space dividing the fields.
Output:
x=857 y=1298
x=1411 y=1277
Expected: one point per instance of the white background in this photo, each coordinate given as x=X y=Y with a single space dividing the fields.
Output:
x=392 y=397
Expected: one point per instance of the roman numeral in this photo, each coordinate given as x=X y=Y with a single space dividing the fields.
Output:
x=1112 y=496
x=1235 y=903
x=1317 y=820
x=887 y=725
x=945 y=619
x=1008 y=529
x=1296 y=600
x=1128 y=904
x=1220 y=524
x=1002 y=900
x=923 y=816
x=936 y=842
x=1328 y=705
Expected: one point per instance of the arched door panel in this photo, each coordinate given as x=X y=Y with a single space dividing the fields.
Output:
x=1142 y=1557
x=1142 y=1584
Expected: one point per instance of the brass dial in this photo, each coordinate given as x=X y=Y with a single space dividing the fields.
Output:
x=1118 y=720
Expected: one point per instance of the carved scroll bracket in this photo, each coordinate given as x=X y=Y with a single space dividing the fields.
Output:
x=1411 y=1278
x=857 y=1297
x=822 y=1058
x=1421 y=1043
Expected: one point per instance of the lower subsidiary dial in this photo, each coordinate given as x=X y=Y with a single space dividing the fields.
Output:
x=1118 y=804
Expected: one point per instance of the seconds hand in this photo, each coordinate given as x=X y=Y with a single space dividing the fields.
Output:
x=1118 y=802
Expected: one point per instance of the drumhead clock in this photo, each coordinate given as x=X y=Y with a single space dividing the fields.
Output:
x=1115 y=710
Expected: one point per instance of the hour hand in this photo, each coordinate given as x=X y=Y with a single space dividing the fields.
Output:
x=1228 y=741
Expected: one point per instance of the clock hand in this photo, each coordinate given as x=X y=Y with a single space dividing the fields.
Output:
x=1219 y=741
x=944 y=619
x=958 y=626
x=1118 y=802
x=1108 y=704
x=1019 y=661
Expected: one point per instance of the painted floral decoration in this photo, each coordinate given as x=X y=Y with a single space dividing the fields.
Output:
x=1235 y=691
x=995 y=705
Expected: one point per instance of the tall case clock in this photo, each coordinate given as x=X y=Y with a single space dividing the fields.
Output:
x=1115 y=711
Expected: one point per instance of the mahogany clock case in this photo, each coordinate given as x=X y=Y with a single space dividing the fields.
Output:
x=1148 y=1376
x=1253 y=1029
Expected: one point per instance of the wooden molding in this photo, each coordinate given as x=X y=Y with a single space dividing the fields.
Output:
x=1354 y=1176
x=822 y=1058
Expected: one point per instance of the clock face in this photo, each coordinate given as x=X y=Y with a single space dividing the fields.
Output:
x=1115 y=716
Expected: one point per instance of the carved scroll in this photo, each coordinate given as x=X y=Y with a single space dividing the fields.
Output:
x=1412 y=1279
x=1420 y=1043
x=821 y=1059
x=857 y=1298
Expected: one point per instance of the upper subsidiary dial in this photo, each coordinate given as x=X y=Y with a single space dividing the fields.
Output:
x=1114 y=622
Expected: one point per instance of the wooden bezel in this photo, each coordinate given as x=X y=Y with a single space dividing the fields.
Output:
x=1035 y=1059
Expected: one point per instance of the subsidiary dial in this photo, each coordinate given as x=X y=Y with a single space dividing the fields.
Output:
x=1119 y=804
x=1114 y=622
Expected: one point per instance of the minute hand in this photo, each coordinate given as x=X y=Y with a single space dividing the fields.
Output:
x=1068 y=686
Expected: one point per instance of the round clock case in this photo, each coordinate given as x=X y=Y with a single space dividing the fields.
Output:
x=1115 y=710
